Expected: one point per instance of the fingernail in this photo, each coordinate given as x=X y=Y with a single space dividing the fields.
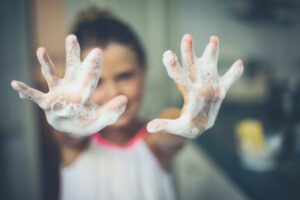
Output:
x=14 y=84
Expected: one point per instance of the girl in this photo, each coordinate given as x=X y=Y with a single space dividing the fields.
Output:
x=106 y=150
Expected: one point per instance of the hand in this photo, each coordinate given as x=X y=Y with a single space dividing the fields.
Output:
x=202 y=88
x=68 y=105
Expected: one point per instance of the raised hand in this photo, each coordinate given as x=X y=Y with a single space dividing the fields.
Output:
x=67 y=105
x=202 y=88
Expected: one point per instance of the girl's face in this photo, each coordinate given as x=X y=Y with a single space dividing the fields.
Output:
x=120 y=75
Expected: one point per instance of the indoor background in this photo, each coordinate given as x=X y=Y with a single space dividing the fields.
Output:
x=265 y=34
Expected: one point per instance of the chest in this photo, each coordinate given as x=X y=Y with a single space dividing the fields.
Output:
x=104 y=173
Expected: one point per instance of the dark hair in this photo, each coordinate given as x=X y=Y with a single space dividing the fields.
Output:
x=95 y=27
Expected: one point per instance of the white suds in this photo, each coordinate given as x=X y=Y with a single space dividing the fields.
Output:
x=205 y=89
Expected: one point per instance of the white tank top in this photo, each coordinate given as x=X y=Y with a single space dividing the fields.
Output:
x=106 y=171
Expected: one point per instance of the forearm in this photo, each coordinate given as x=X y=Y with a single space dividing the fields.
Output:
x=166 y=145
x=70 y=147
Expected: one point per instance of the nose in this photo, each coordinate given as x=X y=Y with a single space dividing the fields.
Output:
x=106 y=92
x=112 y=90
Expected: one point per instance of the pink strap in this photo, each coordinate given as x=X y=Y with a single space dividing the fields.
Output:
x=97 y=137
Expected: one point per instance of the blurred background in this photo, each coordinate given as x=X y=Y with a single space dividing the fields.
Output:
x=252 y=152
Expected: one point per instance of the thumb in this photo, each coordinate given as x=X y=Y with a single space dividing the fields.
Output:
x=109 y=113
x=176 y=127
x=158 y=125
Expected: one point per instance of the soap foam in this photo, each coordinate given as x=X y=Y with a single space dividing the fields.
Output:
x=80 y=119
x=67 y=105
x=205 y=88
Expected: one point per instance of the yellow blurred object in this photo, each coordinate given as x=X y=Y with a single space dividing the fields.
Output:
x=251 y=134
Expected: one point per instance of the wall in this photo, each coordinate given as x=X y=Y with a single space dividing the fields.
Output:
x=161 y=24
x=19 y=151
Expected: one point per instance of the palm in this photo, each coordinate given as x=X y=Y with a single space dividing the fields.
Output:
x=68 y=105
x=201 y=86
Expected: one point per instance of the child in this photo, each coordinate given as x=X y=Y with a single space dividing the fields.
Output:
x=107 y=152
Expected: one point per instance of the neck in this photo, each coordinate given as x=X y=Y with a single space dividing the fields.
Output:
x=121 y=135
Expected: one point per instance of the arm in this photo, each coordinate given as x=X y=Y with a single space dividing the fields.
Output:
x=203 y=91
x=69 y=147
x=166 y=145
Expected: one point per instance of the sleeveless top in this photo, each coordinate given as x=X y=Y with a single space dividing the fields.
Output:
x=107 y=171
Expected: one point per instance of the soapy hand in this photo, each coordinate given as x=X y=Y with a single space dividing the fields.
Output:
x=67 y=105
x=202 y=88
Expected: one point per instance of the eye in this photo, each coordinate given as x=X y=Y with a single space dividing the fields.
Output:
x=125 y=76
x=100 y=82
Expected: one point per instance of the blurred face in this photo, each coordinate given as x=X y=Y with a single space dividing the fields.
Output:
x=120 y=75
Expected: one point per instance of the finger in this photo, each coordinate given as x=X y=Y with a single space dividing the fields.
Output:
x=112 y=110
x=211 y=51
x=26 y=92
x=187 y=52
x=178 y=126
x=48 y=68
x=235 y=71
x=115 y=104
x=159 y=125
x=174 y=69
x=91 y=69
x=72 y=56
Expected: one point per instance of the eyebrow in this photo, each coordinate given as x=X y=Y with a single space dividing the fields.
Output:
x=128 y=73
x=125 y=74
